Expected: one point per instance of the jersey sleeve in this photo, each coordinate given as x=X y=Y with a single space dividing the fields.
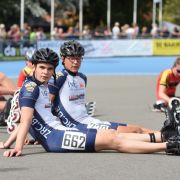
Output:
x=29 y=94
x=164 y=77
x=55 y=85
x=27 y=71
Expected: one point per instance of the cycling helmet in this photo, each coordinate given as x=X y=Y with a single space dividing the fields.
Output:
x=71 y=48
x=29 y=54
x=45 y=55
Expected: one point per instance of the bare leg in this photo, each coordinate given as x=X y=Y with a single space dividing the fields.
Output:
x=140 y=137
x=129 y=146
x=134 y=129
x=111 y=140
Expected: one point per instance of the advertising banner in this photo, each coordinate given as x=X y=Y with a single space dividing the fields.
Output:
x=166 y=47
x=13 y=49
x=107 y=48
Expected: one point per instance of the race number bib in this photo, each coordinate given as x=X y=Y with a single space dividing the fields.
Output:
x=97 y=126
x=74 y=140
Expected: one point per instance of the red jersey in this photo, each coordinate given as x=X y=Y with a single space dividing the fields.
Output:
x=169 y=80
x=22 y=76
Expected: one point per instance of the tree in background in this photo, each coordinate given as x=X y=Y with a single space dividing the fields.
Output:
x=9 y=12
x=67 y=11
x=171 y=11
x=95 y=13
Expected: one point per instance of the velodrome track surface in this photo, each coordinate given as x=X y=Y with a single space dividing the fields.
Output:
x=106 y=66
x=121 y=99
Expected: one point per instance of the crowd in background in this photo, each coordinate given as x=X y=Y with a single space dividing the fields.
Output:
x=117 y=32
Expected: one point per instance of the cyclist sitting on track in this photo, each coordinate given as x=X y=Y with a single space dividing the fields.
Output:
x=68 y=94
x=166 y=85
x=36 y=113
x=27 y=71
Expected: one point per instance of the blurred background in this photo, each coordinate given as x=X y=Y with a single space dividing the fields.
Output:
x=106 y=28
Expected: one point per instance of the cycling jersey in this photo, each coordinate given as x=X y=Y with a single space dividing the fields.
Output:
x=46 y=127
x=169 y=80
x=69 y=104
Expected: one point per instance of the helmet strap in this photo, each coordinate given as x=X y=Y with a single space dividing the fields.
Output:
x=54 y=76
x=63 y=58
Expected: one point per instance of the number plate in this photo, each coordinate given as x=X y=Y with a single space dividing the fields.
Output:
x=74 y=140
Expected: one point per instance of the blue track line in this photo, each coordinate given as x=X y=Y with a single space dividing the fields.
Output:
x=106 y=66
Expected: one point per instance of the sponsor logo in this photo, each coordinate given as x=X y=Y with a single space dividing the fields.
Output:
x=44 y=93
x=65 y=121
x=30 y=86
x=73 y=85
x=59 y=74
x=98 y=126
x=76 y=97
x=41 y=128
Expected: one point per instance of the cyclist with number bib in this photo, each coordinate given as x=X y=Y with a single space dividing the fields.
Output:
x=36 y=117
x=68 y=94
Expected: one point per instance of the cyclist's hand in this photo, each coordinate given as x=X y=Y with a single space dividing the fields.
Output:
x=12 y=152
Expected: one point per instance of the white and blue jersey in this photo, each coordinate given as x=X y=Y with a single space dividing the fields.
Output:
x=69 y=104
x=47 y=128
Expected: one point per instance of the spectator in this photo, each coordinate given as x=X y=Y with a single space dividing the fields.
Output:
x=116 y=31
x=130 y=32
x=164 y=33
x=32 y=35
x=70 y=34
x=144 y=32
x=154 y=31
x=99 y=32
x=136 y=30
x=40 y=35
x=61 y=33
x=107 y=32
x=55 y=34
x=175 y=33
x=14 y=33
x=3 y=32
x=87 y=32
x=26 y=32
